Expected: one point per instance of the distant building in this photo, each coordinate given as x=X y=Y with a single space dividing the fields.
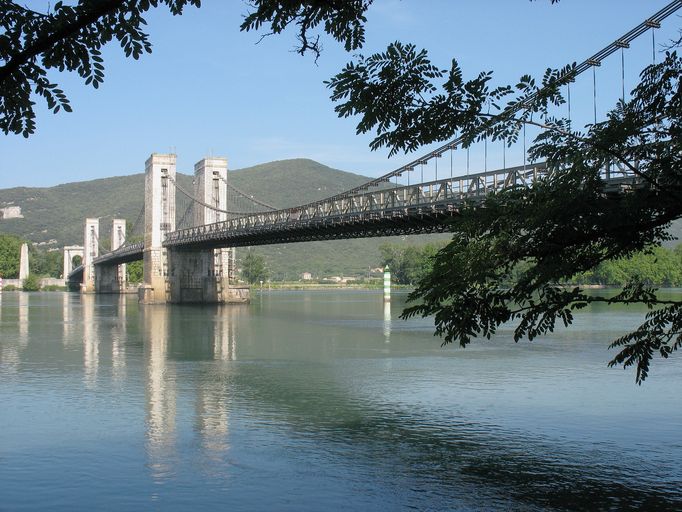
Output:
x=306 y=276
x=11 y=212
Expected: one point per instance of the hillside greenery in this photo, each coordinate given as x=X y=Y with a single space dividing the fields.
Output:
x=253 y=268
x=10 y=247
x=659 y=266
x=409 y=263
x=42 y=262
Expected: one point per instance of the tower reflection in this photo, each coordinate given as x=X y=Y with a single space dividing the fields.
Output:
x=160 y=392
x=224 y=342
x=67 y=318
x=90 y=341
x=118 y=337
x=214 y=390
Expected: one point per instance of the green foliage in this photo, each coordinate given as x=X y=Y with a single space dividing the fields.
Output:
x=657 y=267
x=54 y=288
x=567 y=225
x=9 y=288
x=253 y=268
x=66 y=37
x=71 y=37
x=409 y=263
x=135 y=271
x=46 y=263
x=31 y=283
x=10 y=253
x=534 y=238
x=342 y=20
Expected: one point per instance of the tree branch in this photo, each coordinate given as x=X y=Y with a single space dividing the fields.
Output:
x=41 y=45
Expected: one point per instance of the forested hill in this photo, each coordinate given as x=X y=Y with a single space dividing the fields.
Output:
x=56 y=214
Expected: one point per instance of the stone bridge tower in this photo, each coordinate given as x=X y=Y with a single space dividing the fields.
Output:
x=90 y=252
x=203 y=275
x=70 y=252
x=159 y=219
x=112 y=278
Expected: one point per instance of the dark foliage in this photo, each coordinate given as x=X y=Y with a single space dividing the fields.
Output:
x=253 y=268
x=66 y=38
x=342 y=19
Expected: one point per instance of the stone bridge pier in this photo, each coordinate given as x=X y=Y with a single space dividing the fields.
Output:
x=159 y=219
x=185 y=276
x=112 y=278
x=90 y=252
x=70 y=252
x=204 y=276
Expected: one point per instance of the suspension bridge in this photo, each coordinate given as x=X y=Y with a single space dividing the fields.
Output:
x=187 y=239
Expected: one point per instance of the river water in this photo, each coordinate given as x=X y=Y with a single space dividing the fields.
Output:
x=322 y=401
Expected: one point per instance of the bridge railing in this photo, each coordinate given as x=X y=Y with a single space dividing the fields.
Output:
x=77 y=270
x=396 y=201
x=120 y=253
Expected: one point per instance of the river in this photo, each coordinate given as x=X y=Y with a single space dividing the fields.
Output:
x=322 y=400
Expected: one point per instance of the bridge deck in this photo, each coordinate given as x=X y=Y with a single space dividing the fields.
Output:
x=411 y=209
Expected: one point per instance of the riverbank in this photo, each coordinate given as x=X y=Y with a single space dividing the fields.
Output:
x=297 y=285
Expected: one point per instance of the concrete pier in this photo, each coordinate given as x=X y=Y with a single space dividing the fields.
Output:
x=70 y=252
x=204 y=276
x=159 y=219
x=91 y=251
x=112 y=278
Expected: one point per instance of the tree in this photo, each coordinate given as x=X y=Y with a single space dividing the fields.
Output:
x=253 y=268
x=565 y=225
x=409 y=263
x=70 y=37
x=31 y=283
x=46 y=263
x=135 y=271
x=65 y=38
x=10 y=253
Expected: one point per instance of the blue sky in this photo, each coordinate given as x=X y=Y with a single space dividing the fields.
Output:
x=208 y=89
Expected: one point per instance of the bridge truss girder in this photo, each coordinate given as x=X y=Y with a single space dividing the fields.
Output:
x=406 y=222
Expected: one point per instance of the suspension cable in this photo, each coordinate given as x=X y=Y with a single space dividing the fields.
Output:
x=206 y=205
x=595 y=60
x=244 y=194
x=622 y=72
x=652 y=22
x=594 y=92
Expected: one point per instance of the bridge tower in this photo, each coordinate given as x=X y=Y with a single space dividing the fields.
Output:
x=159 y=219
x=70 y=252
x=112 y=278
x=118 y=238
x=90 y=252
x=204 y=275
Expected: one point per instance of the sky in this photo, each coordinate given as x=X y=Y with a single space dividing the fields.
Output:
x=210 y=90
